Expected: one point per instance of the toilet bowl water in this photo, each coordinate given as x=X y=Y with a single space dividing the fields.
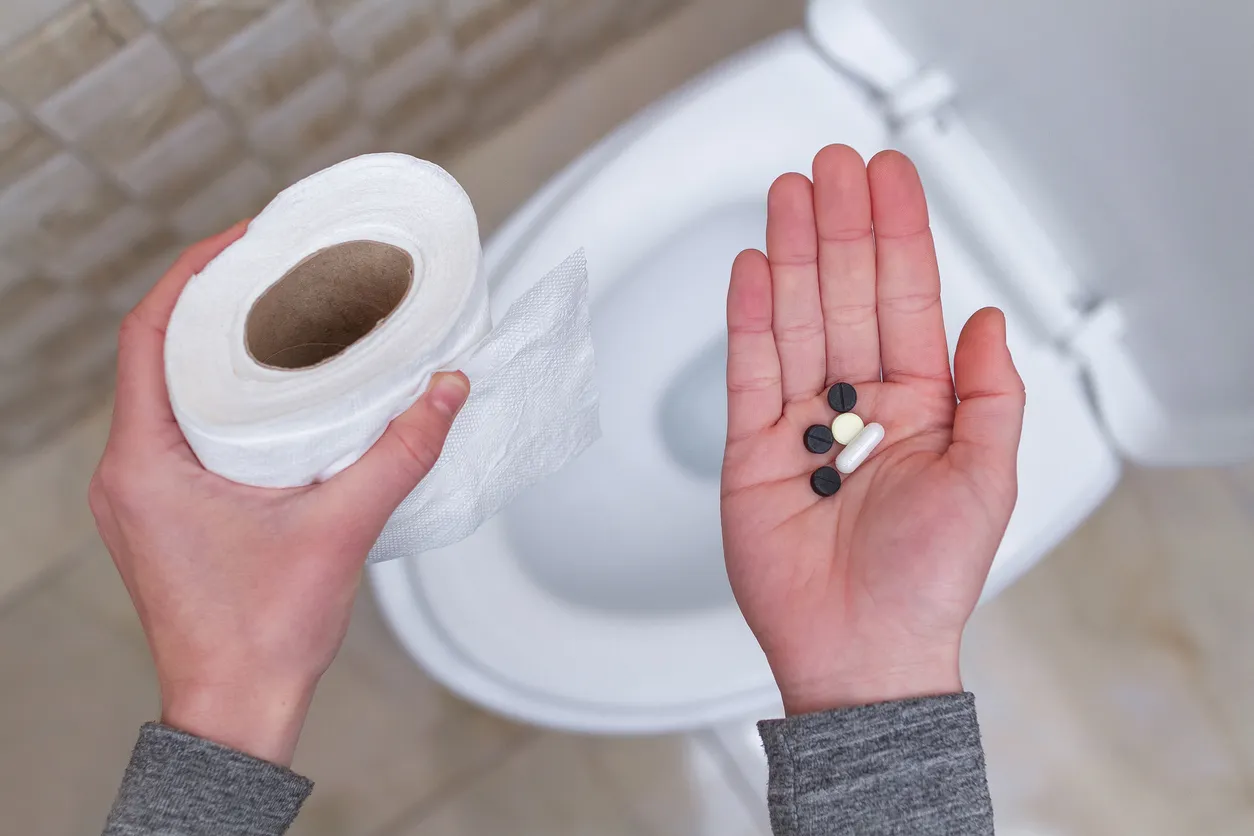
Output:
x=633 y=524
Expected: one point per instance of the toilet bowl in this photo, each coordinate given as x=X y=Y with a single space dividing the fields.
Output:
x=597 y=601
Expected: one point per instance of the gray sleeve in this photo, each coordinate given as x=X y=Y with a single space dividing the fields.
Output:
x=906 y=767
x=180 y=785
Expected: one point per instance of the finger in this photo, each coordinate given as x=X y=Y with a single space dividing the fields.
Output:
x=754 y=399
x=912 y=330
x=842 y=212
x=405 y=453
x=792 y=247
x=142 y=406
x=989 y=418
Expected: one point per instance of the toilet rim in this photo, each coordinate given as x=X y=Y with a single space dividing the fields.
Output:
x=409 y=617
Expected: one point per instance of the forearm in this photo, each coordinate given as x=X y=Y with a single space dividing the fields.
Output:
x=181 y=785
x=913 y=766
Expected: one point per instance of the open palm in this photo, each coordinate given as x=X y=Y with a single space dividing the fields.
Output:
x=861 y=596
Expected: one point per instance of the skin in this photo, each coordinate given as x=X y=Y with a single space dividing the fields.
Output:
x=861 y=597
x=244 y=593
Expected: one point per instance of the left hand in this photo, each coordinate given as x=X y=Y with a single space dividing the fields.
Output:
x=244 y=593
x=861 y=597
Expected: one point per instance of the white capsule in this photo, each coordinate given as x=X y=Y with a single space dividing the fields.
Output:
x=857 y=451
x=846 y=427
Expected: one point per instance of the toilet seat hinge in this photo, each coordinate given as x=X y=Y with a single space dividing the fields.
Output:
x=919 y=97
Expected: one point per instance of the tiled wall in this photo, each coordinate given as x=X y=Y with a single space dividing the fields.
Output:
x=129 y=128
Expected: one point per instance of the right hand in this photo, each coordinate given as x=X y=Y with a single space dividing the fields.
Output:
x=861 y=597
x=244 y=593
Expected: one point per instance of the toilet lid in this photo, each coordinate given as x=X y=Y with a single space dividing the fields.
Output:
x=478 y=616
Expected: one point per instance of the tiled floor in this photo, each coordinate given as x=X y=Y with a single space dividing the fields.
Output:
x=1114 y=681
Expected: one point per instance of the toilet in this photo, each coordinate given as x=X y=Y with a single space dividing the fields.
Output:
x=597 y=601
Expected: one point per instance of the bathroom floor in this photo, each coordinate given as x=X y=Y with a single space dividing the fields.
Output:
x=1114 y=681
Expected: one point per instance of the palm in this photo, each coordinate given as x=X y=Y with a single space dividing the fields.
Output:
x=896 y=559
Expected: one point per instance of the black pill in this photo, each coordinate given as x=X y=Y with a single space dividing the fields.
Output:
x=825 y=481
x=819 y=438
x=842 y=397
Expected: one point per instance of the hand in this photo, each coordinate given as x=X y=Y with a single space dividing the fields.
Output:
x=861 y=597
x=244 y=593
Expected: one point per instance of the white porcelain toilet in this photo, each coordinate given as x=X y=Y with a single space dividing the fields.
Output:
x=597 y=601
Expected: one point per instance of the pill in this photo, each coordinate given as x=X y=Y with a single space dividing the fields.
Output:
x=825 y=481
x=819 y=438
x=842 y=397
x=856 y=451
x=846 y=427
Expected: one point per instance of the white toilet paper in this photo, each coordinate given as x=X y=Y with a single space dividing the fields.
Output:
x=287 y=356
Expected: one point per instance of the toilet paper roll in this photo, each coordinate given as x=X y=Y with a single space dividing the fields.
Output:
x=289 y=354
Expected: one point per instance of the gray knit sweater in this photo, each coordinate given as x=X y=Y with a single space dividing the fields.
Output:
x=894 y=768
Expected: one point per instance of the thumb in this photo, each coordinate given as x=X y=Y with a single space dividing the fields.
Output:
x=989 y=418
x=406 y=451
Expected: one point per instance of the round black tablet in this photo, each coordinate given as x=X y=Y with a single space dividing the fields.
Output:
x=825 y=481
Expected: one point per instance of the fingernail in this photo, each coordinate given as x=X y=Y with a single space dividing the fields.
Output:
x=448 y=392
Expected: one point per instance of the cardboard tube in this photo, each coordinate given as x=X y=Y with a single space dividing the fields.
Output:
x=327 y=302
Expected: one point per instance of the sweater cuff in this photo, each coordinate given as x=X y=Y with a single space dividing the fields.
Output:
x=179 y=783
x=913 y=766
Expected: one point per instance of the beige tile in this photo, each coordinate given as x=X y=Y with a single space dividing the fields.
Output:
x=507 y=42
x=84 y=354
x=23 y=146
x=545 y=788
x=420 y=104
x=126 y=295
x=49 y=409
x=675 y=786
x=19 y=17
x=73 y=699
x=176 y=166
x=579 y=30
x=357 y=139
x=375 y=33
x=333 y=9
x=1115 y=647
x=312 y=116
x=198 y=27
x=122 y=106
x=386 y=95
x=108 y=240
x=43 y=502
x=437 y=122
x=1241 y=477
x=161 y=242
x=12 y=272
x=269 y=61
x=237 y=193
x=474 y=20
x=510 y=91
x=67 y=47
x=31 y=312
x=157 y=11
x=645 y=13
x=52 y=205
x=382 y=739
x=15 y=382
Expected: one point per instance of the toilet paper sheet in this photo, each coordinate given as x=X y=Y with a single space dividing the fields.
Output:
x=289 y=354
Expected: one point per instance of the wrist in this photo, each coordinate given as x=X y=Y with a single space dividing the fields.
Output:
x=261 y=719
x=883 y=680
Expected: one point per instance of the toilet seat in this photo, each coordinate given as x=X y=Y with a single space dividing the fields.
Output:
x=481 y=622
